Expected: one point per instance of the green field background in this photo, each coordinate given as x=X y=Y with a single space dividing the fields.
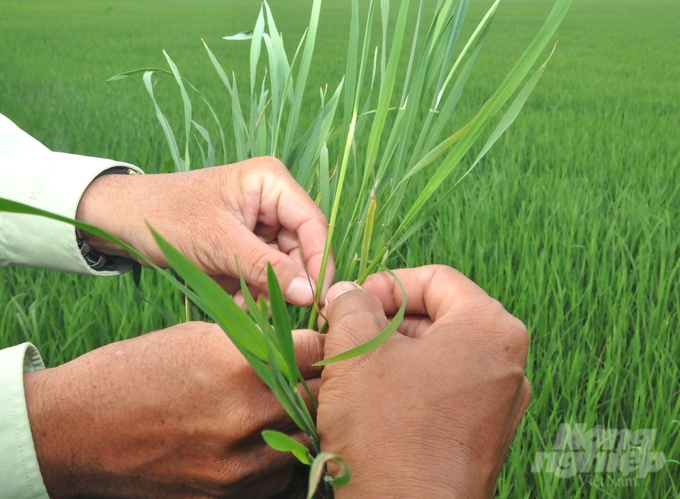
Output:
x=571 y=221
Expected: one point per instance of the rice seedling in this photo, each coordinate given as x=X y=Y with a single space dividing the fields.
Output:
x=374 y=150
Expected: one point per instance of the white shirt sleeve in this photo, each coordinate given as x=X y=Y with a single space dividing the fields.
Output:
x=32 y=174
x=53 y=181
x=20 y=476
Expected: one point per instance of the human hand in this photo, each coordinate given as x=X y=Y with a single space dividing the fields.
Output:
x=176 y=413
x=432 y=412
x=253 y=211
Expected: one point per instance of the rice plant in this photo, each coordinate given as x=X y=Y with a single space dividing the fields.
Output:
x=364 y=139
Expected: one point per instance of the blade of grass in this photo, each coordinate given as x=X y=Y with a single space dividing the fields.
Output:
x=287 y=91
x=255 y=50
x=446 y=54
x=303 y=73
x=162 y=71
x=281 y=321
x=334 y=215
x=165 y=125
x=386 y=89
x=472 y=41
x=502 y=94
x=511 y=114
x=368 y=234
x=318 y=469
x=187 y=109
x=324 y=182
x=240 y=327
x=240 y=128
x=208 y=160
x=283 y=443
x=385 y=15
x=351 y=68
x=243 y=35
x=385 y=94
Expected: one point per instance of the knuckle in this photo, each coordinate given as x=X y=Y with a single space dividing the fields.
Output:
x=517 y=338
x=438 y=267
x=352 y=306
x=260 y=264
x=352 y=324
x=508 y=333
x=308 y=345
x=260 y=271
x=446 y=271
x=273 y=164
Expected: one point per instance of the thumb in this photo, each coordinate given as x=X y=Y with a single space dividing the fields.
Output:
x=354 y=317
x=255 y=255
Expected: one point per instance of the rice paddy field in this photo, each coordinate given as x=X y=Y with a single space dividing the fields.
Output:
x=571 y=221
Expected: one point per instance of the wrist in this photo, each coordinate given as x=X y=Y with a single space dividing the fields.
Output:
x=105 y=204
x=411 y=460
x=403 y=479
x=51 y=411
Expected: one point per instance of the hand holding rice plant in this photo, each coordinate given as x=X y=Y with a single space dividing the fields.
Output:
x=174 y=413
x=228 y=220
x=373 y=157
x=401 y=416
x=375 y=151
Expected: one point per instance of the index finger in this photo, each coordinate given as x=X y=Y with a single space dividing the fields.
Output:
x=298 y=213
x=431 y=290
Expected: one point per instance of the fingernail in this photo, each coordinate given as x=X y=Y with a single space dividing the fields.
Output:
x=299 y=292
x=339 y=289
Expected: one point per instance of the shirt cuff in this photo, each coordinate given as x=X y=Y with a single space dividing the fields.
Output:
x=20 y=476
x=54 y=182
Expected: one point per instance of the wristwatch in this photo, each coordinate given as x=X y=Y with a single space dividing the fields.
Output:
x=95 y=259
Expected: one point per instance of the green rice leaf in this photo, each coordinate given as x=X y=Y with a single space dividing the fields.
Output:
x=412 y=57
x=240 y=128
x=362 y=64
x=352 y=66
x=282 y=326
x=511 y=114
x=243 y=35
x=368 y=234
x=186 y=82
x=451 y=101
x=324 y=182
x=121 y=76
x=209 y=160
x=334 y=214
x=204 y=158
x=283 y=443
x=490 y=109
x=165 y=125
x=187 y=109
x=259 y=314
x=303 y=73
x=291 y=400
x=454 y=31
x=219 y=304
x=385 y=15
x=386 y=88
x=255 y=50
x=438 y=151
x=292 y=100
x=472 y=41
x=318 y=468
